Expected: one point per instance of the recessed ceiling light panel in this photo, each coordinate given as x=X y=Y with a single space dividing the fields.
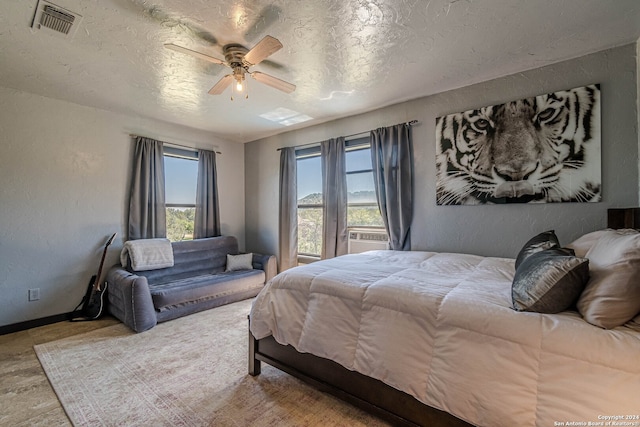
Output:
x=285 y=117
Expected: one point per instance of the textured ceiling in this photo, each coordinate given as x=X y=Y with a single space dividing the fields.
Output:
x=344 y=56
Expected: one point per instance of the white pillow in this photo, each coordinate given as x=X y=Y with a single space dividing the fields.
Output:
x=239 y=262
x=612 y=295
x=582 y=244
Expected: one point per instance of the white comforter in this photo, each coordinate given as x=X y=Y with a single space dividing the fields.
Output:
x=440 y=327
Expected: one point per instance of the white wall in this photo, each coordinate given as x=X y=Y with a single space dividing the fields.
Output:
x=496 y=230
x=64 y=174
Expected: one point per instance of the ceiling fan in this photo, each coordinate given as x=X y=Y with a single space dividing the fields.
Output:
x=239 y=59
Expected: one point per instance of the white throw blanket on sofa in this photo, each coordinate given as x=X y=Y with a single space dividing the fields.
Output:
x=147 y=254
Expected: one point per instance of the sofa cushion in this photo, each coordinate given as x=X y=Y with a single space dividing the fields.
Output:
x=239 y=262
x=168 y=294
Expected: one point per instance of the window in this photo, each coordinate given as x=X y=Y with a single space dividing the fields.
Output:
x=309 y=170
x=181 y=174
x=362 y=206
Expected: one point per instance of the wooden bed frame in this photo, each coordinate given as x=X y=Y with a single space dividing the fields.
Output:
x=375 y=397
x=367 y=393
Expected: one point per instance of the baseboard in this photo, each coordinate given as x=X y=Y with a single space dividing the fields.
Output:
x=21 y=326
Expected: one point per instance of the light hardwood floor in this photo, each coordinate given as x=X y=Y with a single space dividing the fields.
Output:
x=26 y=397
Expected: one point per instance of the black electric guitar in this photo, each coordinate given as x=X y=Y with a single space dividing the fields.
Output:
x=93 y=303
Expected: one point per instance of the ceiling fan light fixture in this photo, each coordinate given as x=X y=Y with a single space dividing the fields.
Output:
x=240 y=86
x=238 y=74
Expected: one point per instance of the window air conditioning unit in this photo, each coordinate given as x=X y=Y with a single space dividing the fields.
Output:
x=367 y=240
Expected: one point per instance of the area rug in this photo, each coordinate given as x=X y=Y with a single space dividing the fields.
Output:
x=190 y=371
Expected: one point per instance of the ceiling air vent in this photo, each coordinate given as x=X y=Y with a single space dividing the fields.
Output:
x=55 y=19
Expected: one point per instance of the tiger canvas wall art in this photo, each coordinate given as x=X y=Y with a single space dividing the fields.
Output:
x=542 y=149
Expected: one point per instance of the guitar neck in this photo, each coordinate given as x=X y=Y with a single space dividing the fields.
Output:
x=97 y=283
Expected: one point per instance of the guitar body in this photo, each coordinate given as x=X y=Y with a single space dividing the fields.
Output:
x=93 y=303
x=94 y=306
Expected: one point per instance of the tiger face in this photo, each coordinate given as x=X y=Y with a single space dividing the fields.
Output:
x=541 y=149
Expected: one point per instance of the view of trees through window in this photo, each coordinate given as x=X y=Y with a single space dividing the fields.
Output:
x=180 y=223
x=362 y=207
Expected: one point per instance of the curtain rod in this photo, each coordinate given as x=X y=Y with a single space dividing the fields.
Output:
x=133 y=135
x=410 y=123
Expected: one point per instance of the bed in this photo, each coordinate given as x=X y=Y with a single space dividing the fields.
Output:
x=424 y=338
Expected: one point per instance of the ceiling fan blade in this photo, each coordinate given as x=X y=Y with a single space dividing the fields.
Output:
x=222 y=84
x=265 y=47
x=266 y=17
x=194 y=53
x=273 y=82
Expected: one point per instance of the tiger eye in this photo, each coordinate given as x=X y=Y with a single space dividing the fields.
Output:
x=546 y=114
x=482 y=124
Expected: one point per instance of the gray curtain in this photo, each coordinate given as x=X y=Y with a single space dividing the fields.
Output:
x=207 y=218
x=334 y=192
x=392 y=160
x=288 y=231
x=147 y=215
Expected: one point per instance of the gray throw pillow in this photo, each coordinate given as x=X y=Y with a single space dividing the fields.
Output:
x=541 y=242
x=549 y=281
x=239 y=262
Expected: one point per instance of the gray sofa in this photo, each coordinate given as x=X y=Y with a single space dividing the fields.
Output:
x=197 y=281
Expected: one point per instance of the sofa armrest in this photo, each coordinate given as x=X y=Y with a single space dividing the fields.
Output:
x=267 y=263
x=130 y=300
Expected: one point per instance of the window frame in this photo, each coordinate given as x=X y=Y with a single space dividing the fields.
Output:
x=180 y=153
x=301 y=154
x=356 y=144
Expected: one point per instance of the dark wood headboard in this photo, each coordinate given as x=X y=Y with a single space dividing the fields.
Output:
x=623 y=218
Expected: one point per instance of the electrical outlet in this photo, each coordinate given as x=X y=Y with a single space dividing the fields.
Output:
x=34 y=294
